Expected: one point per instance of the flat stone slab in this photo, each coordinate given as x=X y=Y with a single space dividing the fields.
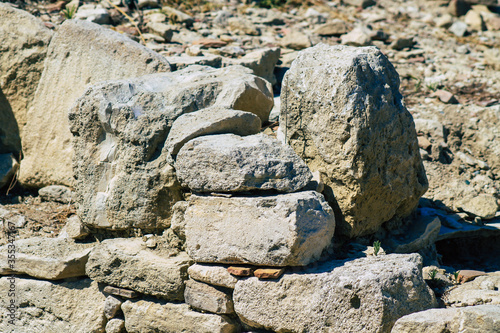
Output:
x=45 y=258
x=214 y=275
x=231 y=163
x=208 y=298
x=362 y=295
x=480 y=318
x=145 y=316
x=281 y=230
x=127 y=263
x=47 y=306
x=482 y=290
x=213 y=120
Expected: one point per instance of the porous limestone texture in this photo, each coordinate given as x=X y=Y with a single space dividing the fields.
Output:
x=127 y=263
x=481 y=318
x=362 y=295
x=281 y=230
x=214 y=120
x=80 y=53
x=146 y=316
x=208 y=298
x=482 y=290
x=46 y=307
x=45 y=258
x=22 y=52
x=211 y=274
x=231 y=163
x=342 y=112
x=124 y=173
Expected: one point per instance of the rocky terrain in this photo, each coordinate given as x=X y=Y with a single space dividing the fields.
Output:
x=250 y=166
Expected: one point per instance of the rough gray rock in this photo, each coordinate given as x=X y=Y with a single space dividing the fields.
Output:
x=214 y=275
x=127 y=263
x=8 y=168
x=80 y=53
x=59 y=193
x=343 y=115
x=46 y=258
x=74 y=228
x=111 y=306
x=481 y=318
x=363 y=295
x=22 y=52
x=261 y=62
x=204 y=297
x=213 y=120
x=45 y=306
x=115 y=326
x=146 y=316
x=178 y=224
x=230 y=163
x=282 y=230
x=483 y=205
x=125 y=176
x=482 y=290
x=419 y=234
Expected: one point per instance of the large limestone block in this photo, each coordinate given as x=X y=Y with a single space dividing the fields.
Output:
x=127 y=263
x=281 y=230
x=125 y=176
x=214 y=120
x=208 y=298
x=362 y=295
x=481 y=318
x=47 y=307
x=342 y=112
x=147 y=316
x=23 y=47
x=230 y=163
x=80 y=53
x=482 y=290
x=45 y=258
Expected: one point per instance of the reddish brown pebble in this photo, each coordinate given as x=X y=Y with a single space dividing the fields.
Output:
x=469 y=275
x=240 y=271
x=120 y=292
x=446 y=97
x=209 y=43
x=269 y=273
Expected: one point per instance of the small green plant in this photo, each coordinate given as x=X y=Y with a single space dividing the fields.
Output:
x=432 y=86
x=69 y=12
x=455 y=275
x=376 y=247
x=433 y=274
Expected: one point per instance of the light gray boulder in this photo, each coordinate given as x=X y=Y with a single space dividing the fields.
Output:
x=124 y=173
x=45 y=258
x=261 y=62
x=22 y=52
x=115 y=325
x=208 y=298
x=59 y=193
x=230 y=163
x=80 y=53
x=482 y=290
x=146 y=316
x=362 y=295
x=481 y=318
x=342 y=112
x=8 y=168
x=127 y=263
x=213 y=120
x=45 y=306
x=281 y=230
x=212 y=274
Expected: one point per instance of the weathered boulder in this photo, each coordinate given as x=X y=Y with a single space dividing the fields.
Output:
x=80 y=53
x=125 y=176
x=230 y=163
x=8 y=168
x=482 y=290
x=281 y=230
x=213 y=120
x=146 y=316
x=481 y=318
x=45 y=306
x=483 y=205
x=22 y=52
x=45 y=258
x=341 y=111
x=214 y=275
x=363 y=295
x=208 y=298
x=127 y=263
x=261 y=62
